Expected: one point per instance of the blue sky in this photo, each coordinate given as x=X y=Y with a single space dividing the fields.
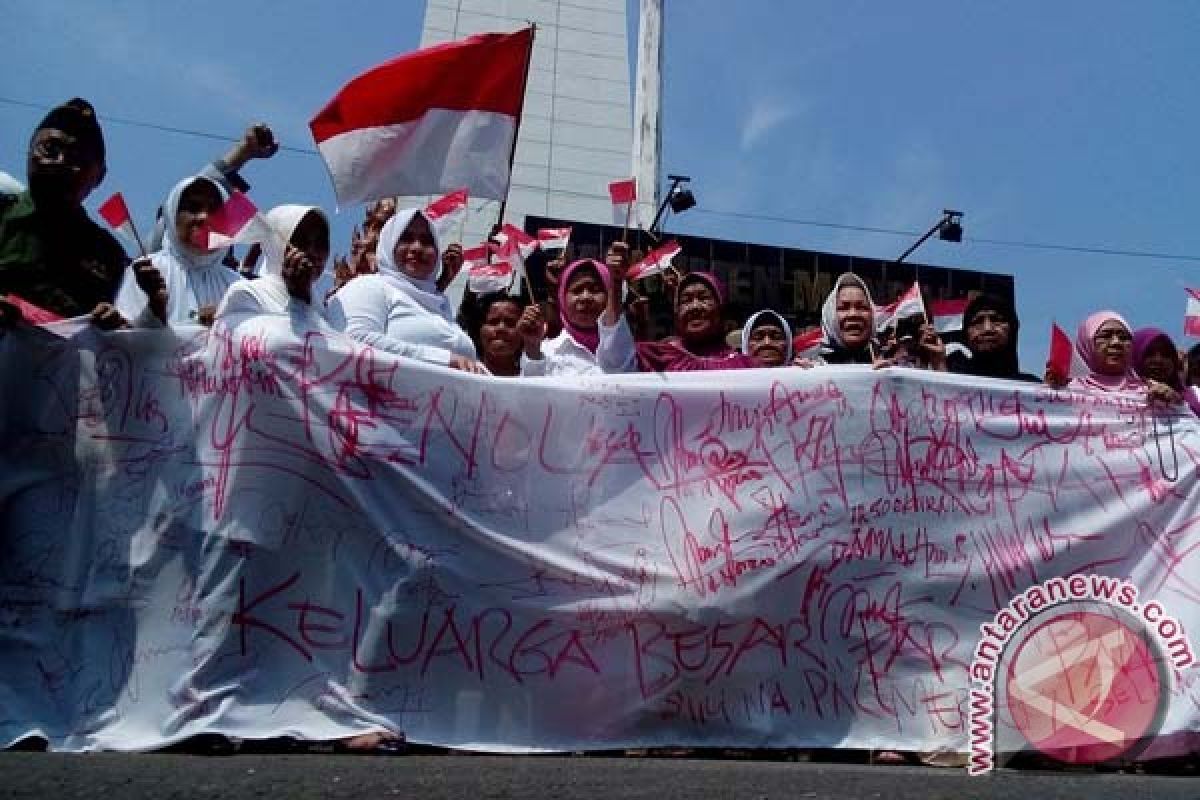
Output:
x=1070 y=123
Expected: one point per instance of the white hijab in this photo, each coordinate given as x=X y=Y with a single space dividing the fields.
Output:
x=829 y=322
x=269 y=288
x=424 y=292
x=748 y=328
x=193 y=278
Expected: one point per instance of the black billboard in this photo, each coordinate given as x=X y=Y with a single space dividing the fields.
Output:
x=788 y=280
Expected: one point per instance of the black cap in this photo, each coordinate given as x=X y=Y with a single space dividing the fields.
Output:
x=77 y=118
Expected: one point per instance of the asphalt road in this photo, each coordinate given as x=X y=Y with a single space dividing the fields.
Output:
x=111 y=776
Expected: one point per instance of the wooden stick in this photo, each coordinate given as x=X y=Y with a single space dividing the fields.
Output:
x=137 y=237
x=512 y=153
x=525 y=277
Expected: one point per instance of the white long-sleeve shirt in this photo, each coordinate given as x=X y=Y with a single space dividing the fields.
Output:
x=562 y=355
x=267 y=295
x=375 y=312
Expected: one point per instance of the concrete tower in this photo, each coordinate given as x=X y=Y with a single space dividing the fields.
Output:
x=647 y=110
x=576 y=133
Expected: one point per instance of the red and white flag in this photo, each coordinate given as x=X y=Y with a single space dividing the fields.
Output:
x=624 y=195
x=487 y=278
x=807 y=344
x=656 y=262
x=47 y=320
x=947 y=315
x=1191 y=315
x=476 y=256
x=116 y=214
x=554 y=238
x=428 y=122
x=448 y=211
x=1061 y=358
x=909 y=304
x=511 y=234
x=235 y=222
x=497 y=276
x=33 y=314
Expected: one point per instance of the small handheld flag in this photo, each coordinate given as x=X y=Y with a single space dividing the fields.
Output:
x=623 y=194
x=554 y=238
x=1058 y=363
x=116 y=214
x=656 y=262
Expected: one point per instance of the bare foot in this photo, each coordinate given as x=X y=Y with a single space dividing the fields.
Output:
x=372 y=742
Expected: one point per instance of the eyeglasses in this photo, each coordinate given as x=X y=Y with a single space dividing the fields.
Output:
x=1111 y=335
x=55 y=148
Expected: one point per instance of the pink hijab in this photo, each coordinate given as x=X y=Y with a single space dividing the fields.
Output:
x=672 y=356
x=1086 y=347
x=588 y=337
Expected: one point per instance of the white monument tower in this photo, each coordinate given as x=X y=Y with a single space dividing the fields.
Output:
x=647 y=110
x=577 y=131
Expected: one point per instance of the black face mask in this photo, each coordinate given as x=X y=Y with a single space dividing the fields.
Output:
x=53 y=186
x=58 y=166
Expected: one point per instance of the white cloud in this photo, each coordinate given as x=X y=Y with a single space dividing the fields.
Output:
x=765 y=115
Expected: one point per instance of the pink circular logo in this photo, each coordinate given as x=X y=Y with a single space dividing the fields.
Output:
x=1085 y=687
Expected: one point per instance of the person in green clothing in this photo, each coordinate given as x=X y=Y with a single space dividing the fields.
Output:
x=52 y=254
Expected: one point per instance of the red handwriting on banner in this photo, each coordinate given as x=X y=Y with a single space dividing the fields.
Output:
x=729 y=706
x=738 y=652
x=665 y=654
x=481 y=643
x=350 y=408
x=884 y=625
x=715 y=559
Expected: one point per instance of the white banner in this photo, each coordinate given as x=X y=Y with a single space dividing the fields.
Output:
x=271 y=531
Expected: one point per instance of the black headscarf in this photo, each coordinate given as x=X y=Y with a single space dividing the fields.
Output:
x=1003 y=364
x=77 y=118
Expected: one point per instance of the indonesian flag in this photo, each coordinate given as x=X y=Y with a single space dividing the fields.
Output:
x=48 y=321
x=428 y=122
x=1059 y=361
x=475 y=256
x=1191 y=315
x=907 y=305
x=235 y=222
x=656 y=262
x=947 y=315
x=806 y=345
x=554 y=238
x=116 y=214
x=512 y=235
x=484 y=277
x=623 y=194
x=447 y=211
x=33 y=314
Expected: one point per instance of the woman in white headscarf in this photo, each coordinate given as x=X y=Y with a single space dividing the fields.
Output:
x=399 y=308
x=848 y=323
x=768 y=337
x=194 y=277
x=294 y=257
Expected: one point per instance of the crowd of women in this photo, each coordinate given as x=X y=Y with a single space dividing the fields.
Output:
x=391 y=294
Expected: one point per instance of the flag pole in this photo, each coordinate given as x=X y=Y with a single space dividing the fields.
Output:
x=525 y=278
x=512 y=153
x=628 y=215
x=137 y=237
